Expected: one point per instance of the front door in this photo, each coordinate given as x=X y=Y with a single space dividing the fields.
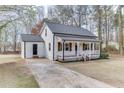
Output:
x=76 y=48
x=34 y=49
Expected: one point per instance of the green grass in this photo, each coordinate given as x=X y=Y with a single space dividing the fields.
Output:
x=26 y=82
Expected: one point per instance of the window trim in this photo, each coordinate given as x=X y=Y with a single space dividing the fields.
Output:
x=49 y=46
x=59 y=46
x=45 y=32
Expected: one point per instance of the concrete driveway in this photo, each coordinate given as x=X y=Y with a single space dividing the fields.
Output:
x=50 y=75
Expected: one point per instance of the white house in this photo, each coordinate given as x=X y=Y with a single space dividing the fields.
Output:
x=61 y=42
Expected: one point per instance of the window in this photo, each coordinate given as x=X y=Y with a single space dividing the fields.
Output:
x=45 y=32
x=49 y=46
x=85 y=46
x=75 y=46
x=59 y=46
x=96 y=46
x=68 y=46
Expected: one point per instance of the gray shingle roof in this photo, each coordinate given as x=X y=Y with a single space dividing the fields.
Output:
x=31 y=38
x=66 y=29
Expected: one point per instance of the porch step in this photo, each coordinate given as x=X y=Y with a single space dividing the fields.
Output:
x=70 y=59
x=36 y=56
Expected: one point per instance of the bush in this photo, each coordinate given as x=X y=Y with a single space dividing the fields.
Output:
x=111 y=49
x=104 y=55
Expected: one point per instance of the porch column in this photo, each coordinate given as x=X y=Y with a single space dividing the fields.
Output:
x=63 y=50
x=90 y=46
x=93 y=46
x=99 y=48
x=78 y=48
x=89 y=50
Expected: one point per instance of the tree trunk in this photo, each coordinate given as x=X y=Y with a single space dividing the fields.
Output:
x=106 y=28
x=79 y=20
x=99 y=26
x=14 y=46
x=120 y=31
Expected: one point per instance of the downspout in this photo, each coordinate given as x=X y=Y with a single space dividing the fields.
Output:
x=63 y=49
x=53 y=45
x=24 y=50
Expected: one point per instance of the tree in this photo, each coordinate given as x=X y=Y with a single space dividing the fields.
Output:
x=98 y=18
x=20 y=19
x=120 y=23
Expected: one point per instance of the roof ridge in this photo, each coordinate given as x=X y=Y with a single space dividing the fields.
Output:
x=64 y=24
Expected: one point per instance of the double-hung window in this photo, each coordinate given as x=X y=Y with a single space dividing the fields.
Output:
x=85 y=46
x=59 y=46
x=68 y=46
x=49 y=46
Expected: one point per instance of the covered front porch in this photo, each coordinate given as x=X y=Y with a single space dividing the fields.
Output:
x=73 y=49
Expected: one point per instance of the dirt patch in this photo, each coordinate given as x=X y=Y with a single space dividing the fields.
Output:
x=16 y=75
x=110 y=71
x=10 y=58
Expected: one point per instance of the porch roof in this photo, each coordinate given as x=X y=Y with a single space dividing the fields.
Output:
x=79 y=39
x=31 y=38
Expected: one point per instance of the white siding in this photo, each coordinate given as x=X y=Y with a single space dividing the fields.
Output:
x=29 y=49
x=48 y=39
x=22 y=49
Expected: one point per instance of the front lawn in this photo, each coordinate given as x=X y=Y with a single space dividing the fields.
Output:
x=14 y=73
x=110 y=71
x=9 y=58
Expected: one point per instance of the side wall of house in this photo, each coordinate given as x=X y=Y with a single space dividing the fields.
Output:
x=48 y=39
x=22 y=49
x=56 y=47
x=29 y=49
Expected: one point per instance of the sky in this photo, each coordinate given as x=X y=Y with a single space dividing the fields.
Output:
x=45 y=10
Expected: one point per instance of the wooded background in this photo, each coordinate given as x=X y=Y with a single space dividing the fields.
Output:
x=104 y=21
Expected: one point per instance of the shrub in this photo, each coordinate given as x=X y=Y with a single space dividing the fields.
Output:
x=111 y=49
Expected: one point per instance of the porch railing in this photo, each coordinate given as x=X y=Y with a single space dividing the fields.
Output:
x=72 y=54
